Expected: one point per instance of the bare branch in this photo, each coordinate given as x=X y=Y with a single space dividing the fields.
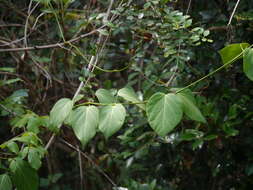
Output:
x=90 y=160
x=56 y=45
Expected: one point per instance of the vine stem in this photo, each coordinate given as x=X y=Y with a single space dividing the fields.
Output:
x=213 y=72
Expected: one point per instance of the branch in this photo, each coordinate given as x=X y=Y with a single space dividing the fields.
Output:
x=57 y=45
x=90 y=160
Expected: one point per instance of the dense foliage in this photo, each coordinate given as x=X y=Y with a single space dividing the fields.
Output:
x=126 y=95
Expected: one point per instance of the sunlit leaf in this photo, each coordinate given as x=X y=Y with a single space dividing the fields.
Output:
x=84 y=121
x=232 y=52
x=164 y=112
x=111 y=118
x=59 y=112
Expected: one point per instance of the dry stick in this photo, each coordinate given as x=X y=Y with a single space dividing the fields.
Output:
x=26 y=22
x=21 y=39
x=80 y=167
x=232 y=15
x=91 y=161
x=189 y=5
x=56 y=45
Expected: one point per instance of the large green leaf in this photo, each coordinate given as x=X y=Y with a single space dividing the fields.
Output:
x=5 y=182
x=128 y=94
x=231 y=52
x=111 y=118
x=189 y=107
x=248 y=63
x=23 y=176
x=60 y=111
x=164 y=112
x=84 y=121
x=105 y=96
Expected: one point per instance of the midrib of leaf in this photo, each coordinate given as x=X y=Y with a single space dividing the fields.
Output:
x=111 y=113
x=164 y=110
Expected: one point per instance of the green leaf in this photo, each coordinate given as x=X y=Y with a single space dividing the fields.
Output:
x=105 y=96
x=84 y=121
x=34 y=158
x=103 y=32
x=111 y=119
x=5 y=182
x=10 y=81
x=164 y=112
x=230 y=52
x=189 y=107
x=128 y=94
x=60 y=112
x=190 y=134
x=248 y=63
x=33 y=124
x=23 y=176
x=13 y=147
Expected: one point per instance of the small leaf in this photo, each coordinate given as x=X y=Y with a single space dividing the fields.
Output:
x=164 y=112
x=34 y=158
x=248 y=63
x=111 y=119
x=189 y=107
x=10 y=81
x=103 y=32
x=128 y=94
x=230 y=52
x=23 y=176
x=105 y=96
x=5 y=182
x=60 y=112
x=84 y=121
x=13 y=147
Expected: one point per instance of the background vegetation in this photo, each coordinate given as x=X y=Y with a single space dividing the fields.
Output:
x=66 y=64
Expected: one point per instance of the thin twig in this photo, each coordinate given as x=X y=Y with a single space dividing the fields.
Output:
x=50 y=141
x=91 y=161
x=189 y=6
x=80 y=167
x=232 y=15
x=56 y=45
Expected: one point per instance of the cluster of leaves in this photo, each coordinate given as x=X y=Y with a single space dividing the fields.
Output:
x=155 y=45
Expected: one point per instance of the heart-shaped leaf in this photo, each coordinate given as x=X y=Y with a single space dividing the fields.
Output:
x=164 y=112
x=84 y=121
x=60 y=112
x=111 y=118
